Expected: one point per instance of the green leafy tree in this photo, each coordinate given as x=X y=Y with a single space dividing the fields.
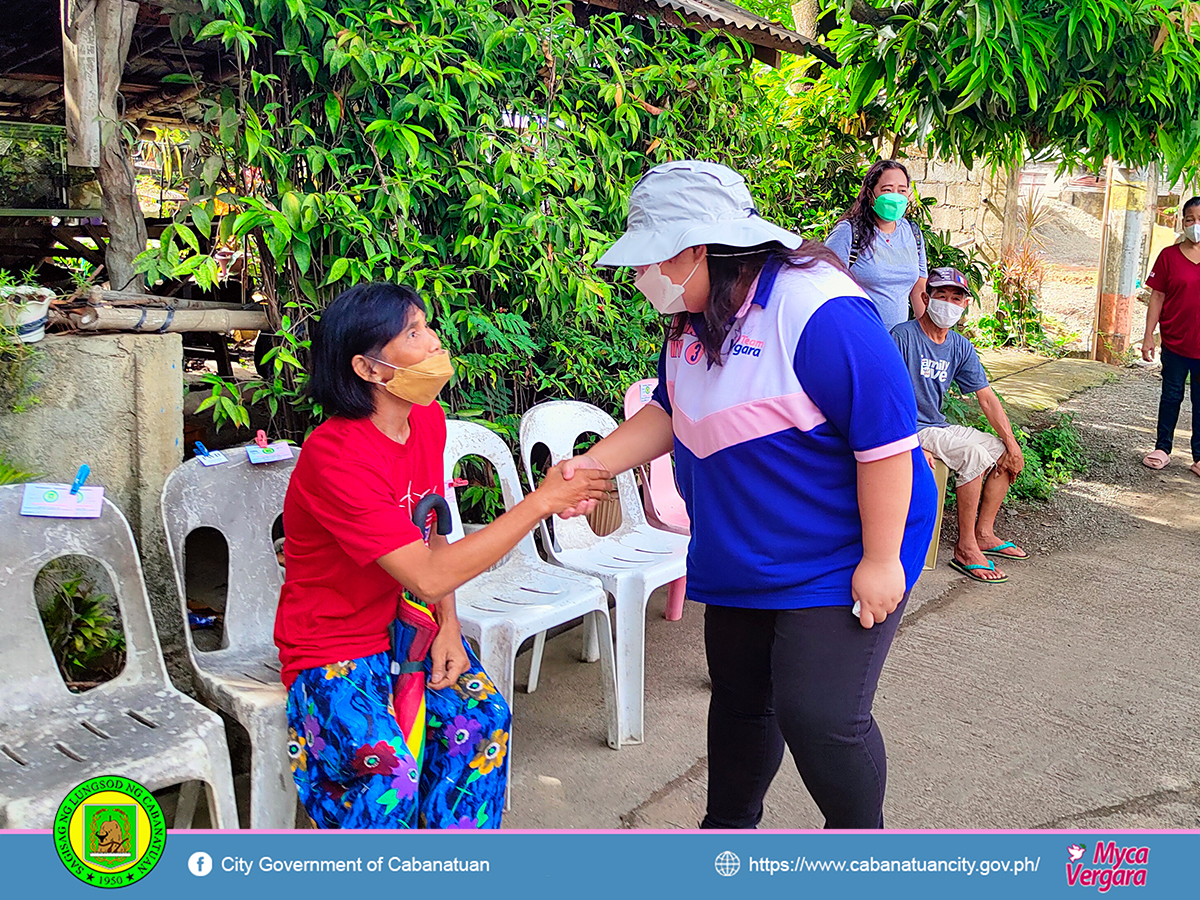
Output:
x=994 y=79
x=484 y=159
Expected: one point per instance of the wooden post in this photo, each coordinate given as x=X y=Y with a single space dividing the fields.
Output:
x=122 y=212
x=80 y=86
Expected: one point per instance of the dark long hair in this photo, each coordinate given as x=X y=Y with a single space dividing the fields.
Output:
x=861 y=214
x=731 y=271
x=360 y=321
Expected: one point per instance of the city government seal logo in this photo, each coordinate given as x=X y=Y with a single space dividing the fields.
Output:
x=110 y=832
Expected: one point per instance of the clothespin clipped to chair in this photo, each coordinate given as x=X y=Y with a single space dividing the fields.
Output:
x=80 y=477
x=263 y=451
x=57 y=501
x=210 y=457
x=457 y=483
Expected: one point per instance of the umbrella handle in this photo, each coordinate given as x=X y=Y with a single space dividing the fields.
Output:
x=437 y=503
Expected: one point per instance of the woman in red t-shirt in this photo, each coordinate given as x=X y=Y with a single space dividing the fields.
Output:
x=377 y=368
x=1175 y=309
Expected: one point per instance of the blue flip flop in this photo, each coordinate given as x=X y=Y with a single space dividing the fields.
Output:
x=969 y=571
x=997 y=551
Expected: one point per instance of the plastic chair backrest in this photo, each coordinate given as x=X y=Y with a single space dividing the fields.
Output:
x=241 y=500
x=663 y=501
x=558 y=424
x=472 y=439
x=28 y=672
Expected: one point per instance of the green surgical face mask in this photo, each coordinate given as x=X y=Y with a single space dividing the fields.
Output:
x=890 y=207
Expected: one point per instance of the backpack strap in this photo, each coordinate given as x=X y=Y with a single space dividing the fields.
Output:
x=855 y=248
x=918 y=235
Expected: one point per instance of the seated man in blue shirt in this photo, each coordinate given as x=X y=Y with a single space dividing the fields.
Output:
x=984 y=465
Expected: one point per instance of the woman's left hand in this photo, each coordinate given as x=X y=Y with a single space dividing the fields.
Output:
x=448 y=655
x=878 y=587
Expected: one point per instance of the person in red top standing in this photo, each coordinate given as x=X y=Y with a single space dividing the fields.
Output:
x=351 y=551
x=1175 y=309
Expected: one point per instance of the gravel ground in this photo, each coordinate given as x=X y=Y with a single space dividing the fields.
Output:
x=1116 y=423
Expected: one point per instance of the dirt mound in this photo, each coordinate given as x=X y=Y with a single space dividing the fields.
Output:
x=1071 y=236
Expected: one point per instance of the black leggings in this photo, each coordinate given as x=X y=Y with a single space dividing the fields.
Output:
x=806 y=677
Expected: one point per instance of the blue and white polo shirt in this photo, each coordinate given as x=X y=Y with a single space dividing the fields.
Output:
x=767 y=445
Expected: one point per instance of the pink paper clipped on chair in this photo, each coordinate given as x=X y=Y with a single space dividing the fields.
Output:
x=665 y=509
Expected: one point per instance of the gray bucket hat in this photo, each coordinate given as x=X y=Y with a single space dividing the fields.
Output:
x=687 y=203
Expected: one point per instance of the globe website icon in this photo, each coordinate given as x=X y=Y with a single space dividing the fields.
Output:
x=728 y=863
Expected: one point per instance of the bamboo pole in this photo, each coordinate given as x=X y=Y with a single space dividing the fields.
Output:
x=171 y=321
x=98 y=296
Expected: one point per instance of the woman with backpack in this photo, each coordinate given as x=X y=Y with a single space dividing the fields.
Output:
x=883 y=250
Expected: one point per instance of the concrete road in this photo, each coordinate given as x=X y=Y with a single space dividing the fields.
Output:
x=1068 y=697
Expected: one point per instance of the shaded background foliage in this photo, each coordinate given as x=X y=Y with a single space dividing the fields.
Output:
x=996 y=79
x=482 y=154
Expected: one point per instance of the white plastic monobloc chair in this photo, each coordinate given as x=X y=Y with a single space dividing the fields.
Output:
x=137 y=725
x=522 y=595
x=241 y=500
x=630 y=563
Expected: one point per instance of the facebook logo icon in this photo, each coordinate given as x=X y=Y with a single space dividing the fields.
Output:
x=200 y=864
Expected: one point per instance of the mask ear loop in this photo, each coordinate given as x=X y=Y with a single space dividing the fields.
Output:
x=375 y=359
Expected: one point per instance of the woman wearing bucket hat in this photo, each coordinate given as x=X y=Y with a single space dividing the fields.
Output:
x=793 y=423
x=884 y=251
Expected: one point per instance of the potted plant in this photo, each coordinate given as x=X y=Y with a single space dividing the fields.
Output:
x=24 y=305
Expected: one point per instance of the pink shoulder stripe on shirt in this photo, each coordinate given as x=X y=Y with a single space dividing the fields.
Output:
x=746 y=422
x=895 y=448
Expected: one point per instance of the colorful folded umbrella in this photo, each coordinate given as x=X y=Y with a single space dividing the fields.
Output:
x=412 y=637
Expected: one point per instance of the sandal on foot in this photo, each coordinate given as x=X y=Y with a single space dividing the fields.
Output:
x=1156 y=460
x=969 y=570
x=998 y=551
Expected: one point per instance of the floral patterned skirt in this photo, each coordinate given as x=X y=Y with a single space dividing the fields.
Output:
x=354 y=769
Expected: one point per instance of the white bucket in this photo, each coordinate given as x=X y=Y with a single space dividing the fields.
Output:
x=25 y=309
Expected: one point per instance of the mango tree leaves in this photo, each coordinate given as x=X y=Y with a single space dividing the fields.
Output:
x=995 y=79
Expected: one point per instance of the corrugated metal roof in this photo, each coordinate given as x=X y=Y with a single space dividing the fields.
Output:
x=729 y=16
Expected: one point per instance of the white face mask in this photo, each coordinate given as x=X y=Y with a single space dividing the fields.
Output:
x=664 y=295
x=1192 y=233
x=944 y=313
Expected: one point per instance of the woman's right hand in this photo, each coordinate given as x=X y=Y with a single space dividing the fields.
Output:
x=574 y=486
x=569 y=468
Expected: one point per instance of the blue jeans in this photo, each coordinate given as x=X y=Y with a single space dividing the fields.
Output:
x=1175 y=371
x=807 y=678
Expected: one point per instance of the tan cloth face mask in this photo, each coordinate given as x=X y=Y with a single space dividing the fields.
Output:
x=419 y=384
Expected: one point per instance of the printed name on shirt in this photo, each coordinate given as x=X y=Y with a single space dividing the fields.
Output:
x=676 y=349
x=745 y=346
x=935 y=369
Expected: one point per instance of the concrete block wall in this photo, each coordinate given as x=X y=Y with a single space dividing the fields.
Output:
x=958 y=192
x=115 y=402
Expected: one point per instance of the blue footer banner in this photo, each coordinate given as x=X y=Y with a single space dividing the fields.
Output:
x=112 y=846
